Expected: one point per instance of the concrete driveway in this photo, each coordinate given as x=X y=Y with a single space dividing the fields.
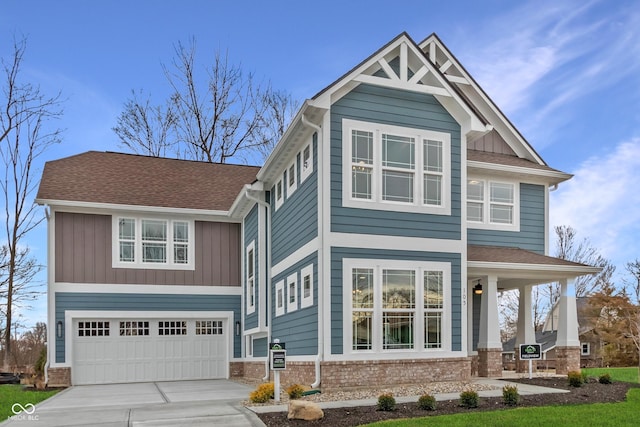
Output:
x=177 y=403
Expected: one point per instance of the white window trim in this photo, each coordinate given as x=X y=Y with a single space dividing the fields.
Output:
x=582 y=349
x=486 y=224
x=306 y=169
x=291 y=188
x=377 y=347
x=278 y=201
x=280 y=288
x=376 y=202
x=306 y=301
x=251 y=302
x=292 y=305
x=169 y=265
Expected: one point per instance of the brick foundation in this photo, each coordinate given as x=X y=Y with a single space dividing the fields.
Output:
x=59 y=377
x=490 y=362
x=567 y=359
x=368 y=373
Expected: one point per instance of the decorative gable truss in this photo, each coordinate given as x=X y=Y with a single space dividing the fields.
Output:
x=401 y=64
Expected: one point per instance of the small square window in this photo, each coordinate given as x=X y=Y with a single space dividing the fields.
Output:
x=306 y=161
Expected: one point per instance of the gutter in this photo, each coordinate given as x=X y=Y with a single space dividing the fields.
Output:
x=320 y=355
x=267 y=271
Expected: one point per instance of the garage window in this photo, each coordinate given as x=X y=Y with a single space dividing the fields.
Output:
x=134 y=328
x=208 y=327
x=93 y=329
x=172 y=327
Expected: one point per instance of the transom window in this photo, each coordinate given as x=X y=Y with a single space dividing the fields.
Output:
x=93 y=329
x=208 y=327
x=172 y=327
x=394 y=168
x=153 y=243
x=492 y=204
x=397 y=305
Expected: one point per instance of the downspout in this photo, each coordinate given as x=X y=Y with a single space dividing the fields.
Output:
x=320 y=355
x=47 y=214
x=267 y=273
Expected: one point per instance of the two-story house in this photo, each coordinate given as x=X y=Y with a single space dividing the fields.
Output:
x=373 y=242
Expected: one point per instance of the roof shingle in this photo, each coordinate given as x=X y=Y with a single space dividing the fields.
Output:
x=129 y=179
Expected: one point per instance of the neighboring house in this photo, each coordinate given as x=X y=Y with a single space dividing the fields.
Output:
x=396 y=195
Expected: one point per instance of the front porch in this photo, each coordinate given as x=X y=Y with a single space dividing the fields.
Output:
x=496 y=269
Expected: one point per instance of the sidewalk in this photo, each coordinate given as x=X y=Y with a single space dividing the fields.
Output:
x=523 y=389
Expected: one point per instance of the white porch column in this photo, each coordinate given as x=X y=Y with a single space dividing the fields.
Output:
x=568 y=315
x=526 y=333
x=489 y=334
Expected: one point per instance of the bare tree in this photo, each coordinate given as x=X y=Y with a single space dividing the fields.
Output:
x=147 y=129
x=633 y=311
x=216 y=115
x=24 y=136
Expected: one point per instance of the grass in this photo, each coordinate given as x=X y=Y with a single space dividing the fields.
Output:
x=627 y=375
x=13 y=393
x=597 y=414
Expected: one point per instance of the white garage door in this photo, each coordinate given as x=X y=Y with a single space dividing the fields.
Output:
x=138 y=350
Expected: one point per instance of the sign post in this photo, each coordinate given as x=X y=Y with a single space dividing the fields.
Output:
x=530 y=352
x=278 y=362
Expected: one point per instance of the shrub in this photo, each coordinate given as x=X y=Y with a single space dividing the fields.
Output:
x=386 y=402
x=575 y=378
x=469 y=399
x=510 y=395
x=41 y=362
x=604 y=379
x=295 y=391
x=585 y=377
x=262 y=394
x=427 y=402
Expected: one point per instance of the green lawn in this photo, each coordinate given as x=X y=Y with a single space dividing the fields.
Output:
x=11 y=394
x=627 y=375
x=597 y=414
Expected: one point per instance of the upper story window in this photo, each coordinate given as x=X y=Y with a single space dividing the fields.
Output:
x=306 y=161
x=292 y=178
x=153 y=243
x=279 y=194
x=394 y=168
x=492 y=204
x=251 y=277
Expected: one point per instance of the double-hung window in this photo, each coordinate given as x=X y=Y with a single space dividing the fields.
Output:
x=492 y=204
x=396 y=306
x=394 y=168
x=306 y=161
x=152 y=243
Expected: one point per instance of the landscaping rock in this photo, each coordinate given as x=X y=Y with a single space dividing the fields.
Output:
x=303 y=410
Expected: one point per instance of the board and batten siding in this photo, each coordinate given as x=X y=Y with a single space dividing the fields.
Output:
x=295 y=223
x=141 y=302
x=83 y=254
x=399 y=108
x=298 y=329
x=251 y=235
x=337 y=283
x=532 y=224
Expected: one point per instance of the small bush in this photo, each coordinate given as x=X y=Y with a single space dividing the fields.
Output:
x=604 y=379
x=295 y=391
x=469 y=399
x=575 y=378
x=386 y=402
x=262 y=394
x=41 y=362
x=510 y=395
x=427 y=402
x=585 y=376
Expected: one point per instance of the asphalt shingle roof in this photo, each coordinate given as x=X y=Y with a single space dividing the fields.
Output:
x=129 y=179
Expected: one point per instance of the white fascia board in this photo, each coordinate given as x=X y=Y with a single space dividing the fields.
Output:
x=567 y=270
x=543 y=175
x=101 y=208
x=241 y=205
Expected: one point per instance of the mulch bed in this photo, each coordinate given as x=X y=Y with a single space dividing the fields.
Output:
x=591 y=392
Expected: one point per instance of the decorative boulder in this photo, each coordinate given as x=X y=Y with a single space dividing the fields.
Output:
x=303 y=410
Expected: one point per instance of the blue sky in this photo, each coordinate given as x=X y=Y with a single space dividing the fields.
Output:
x=566 y=73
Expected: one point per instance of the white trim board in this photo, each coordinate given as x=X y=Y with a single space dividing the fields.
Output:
x=106 y=288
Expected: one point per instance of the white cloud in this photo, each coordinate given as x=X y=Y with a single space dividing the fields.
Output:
x=602 y=202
